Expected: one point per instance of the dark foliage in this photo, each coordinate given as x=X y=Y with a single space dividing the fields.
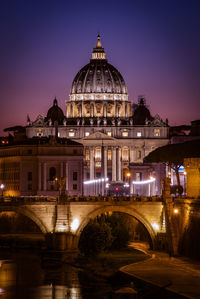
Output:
x=176 y=189
x=175 y=153
x=103 y=233
x=95 y=238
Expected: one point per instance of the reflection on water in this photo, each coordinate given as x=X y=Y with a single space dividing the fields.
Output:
x=23 y=277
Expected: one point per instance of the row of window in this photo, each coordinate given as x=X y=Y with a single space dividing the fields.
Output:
x=52 y=175
x=124 y=133
x=125 y=154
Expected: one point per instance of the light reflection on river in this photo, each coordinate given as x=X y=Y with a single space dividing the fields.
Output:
x=23 y=277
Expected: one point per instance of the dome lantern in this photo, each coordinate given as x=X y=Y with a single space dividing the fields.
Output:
x=98 y=50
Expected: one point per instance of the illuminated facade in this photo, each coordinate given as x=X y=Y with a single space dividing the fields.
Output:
x=99 y=115
x=41 y=166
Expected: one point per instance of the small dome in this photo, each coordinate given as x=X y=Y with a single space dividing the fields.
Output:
x=98 y=76
x=141 y=113
x=55 y=113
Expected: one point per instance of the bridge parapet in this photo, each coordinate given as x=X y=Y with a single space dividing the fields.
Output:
x=31 y=199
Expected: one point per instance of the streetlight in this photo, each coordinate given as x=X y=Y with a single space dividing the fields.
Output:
x=128 y=175
x=2 y=186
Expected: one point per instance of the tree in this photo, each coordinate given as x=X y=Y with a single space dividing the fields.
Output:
x=119 y=229
x=104 y=233
x=174 y=154
x=95 y=238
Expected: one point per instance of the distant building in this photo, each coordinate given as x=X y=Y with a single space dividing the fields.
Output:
x=46 y=166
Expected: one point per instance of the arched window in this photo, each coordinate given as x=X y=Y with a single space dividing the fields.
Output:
x=52 y=173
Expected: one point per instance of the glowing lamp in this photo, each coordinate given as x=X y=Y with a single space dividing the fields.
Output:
x=155 y=226
x=116 y=188
x=2 y=186
x=175 y=211
x=75 y=224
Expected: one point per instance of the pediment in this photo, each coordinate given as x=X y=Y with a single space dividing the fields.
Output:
x=98 y=136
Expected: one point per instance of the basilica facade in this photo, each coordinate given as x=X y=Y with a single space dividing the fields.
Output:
x=115 y=137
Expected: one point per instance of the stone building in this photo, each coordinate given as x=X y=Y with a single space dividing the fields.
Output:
x=41 y=166
x=99 y=116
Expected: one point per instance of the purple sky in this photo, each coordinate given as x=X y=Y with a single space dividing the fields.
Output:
x=154 y=44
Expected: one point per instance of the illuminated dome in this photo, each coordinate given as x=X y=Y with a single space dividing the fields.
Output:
x=98 y=76
x=98 y=81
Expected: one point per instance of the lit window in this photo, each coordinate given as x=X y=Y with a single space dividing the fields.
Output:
x=98 y=153
x=87 y=155
x=58 y=134
x=40 y=134
x=139 y=154
x=109 y=133
x=139 y=134
x=125 y=134
x=109 y=155
x=156 y=132
x=87 y=133
x=138 y=176
x=71 y=134
x=97 y=164
x=125 y=154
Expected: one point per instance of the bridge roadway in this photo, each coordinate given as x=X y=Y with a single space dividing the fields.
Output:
x=69 y=216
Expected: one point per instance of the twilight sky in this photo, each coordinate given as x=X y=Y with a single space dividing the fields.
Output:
x=154 y=44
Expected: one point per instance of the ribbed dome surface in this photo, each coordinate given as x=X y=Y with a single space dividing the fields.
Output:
x=98 y=77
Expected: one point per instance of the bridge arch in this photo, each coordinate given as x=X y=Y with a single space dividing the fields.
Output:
x=130 y=211
x=28 y=213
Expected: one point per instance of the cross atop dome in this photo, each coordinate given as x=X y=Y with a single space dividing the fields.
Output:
x=98 y=50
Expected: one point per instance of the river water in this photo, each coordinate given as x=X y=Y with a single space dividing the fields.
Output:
x=24 y=276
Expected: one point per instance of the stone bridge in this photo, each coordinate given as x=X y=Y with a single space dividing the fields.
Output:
x=62 y=222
